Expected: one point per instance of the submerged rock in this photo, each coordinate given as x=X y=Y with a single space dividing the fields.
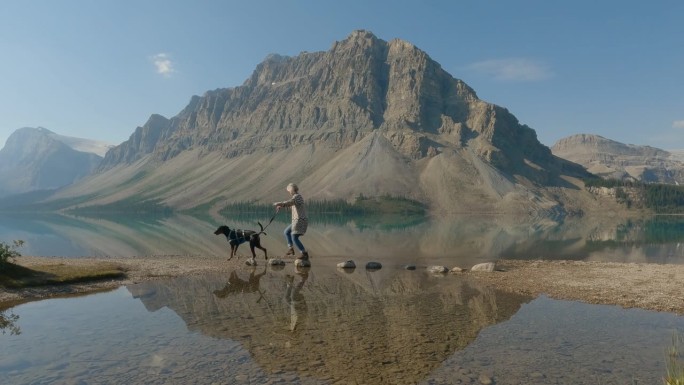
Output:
x=276 y=262
x=486 y=379
x=456 y=270
x=410 y=267
x=373 y=265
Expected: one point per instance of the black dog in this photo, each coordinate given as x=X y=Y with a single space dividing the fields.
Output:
x=237 y=237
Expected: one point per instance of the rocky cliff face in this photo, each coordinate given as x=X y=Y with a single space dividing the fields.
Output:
x=611 y=159
x=35 y=159
x=365 y=117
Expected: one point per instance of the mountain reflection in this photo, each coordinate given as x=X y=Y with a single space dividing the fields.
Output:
x=386 y=326
x=460 y=240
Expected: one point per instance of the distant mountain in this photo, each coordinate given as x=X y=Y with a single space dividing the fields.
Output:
x=96 y=147
x=366 y=117
x=677 y=155
x=38 y=159
x=611 y=159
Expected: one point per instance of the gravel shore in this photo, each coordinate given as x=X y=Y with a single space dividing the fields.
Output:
x=647 y=286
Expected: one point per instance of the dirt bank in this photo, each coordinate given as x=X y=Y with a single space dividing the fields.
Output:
x=646 y=286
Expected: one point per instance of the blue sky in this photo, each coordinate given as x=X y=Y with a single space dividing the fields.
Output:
x=99 y=69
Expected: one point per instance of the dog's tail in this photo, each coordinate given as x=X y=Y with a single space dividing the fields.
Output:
x=269 y=222
x=262 y=229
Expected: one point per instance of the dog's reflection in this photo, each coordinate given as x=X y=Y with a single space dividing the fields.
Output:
x=293 y=297
x=238 y=285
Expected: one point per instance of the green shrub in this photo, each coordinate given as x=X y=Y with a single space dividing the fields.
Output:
x=675 y=367
x=8 y=253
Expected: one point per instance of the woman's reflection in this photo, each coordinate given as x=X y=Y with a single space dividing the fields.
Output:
x=294 y=297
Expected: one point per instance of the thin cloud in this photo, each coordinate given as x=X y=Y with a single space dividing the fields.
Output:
x=678 y=124
x=513 y=69
x=163 y=64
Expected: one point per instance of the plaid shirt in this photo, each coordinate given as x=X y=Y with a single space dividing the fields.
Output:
x=300 y=220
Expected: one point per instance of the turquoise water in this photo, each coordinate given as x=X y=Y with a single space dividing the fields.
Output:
x=462 y=240
x=326 y=326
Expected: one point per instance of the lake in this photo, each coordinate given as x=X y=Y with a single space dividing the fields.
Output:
x=282 y=325
x=464 y=240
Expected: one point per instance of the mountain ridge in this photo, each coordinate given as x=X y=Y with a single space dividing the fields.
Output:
x=611 y=159
x=365 y=117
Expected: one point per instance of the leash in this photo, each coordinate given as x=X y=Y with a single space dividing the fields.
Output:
x=263 y=228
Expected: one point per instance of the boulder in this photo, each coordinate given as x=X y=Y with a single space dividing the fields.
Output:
x=251 y=262
x=302 y=263
x=486 y=267
x=457 y=270
x=347 y=265
x=437 y=269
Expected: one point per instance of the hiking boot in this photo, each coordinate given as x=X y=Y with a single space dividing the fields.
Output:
x=290 y=251
x=304 y=256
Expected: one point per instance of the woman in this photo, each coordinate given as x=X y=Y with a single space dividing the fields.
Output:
x=299 y=221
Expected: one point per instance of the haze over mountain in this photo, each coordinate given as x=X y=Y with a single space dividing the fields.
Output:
x=610 y=159
x=96 y=147
x=366 y=117
x=38 y=159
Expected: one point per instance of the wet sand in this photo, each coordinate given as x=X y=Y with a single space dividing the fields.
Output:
x=647 y=286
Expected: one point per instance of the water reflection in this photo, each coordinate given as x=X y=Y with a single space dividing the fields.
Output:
x=380 y=327
x=295 y=299
x=324 y=326
x=8 y=323
x=449 y=241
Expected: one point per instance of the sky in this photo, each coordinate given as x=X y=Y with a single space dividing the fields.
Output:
x=99 y=69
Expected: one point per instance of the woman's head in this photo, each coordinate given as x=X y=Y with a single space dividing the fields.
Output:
x=292 y=188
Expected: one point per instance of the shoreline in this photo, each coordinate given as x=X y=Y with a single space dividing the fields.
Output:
x=629 y=285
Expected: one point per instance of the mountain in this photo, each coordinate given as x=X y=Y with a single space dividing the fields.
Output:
x=365 y=117
x=610 y=159
x=38 y=159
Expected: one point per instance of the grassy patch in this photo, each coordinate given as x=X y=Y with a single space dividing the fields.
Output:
x=16 y=276
x=675 y=366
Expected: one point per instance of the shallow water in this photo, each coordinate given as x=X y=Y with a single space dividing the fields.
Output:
x=326 y=326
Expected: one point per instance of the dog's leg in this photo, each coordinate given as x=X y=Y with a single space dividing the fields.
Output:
x=251 y=248
x=257 y=243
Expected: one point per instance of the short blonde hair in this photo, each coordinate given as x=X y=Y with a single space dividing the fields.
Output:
x=293 y=187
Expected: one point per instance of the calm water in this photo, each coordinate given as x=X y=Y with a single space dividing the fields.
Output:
x=325 y=326
x=448 y=241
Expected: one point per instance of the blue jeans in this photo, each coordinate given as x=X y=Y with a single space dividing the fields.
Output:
x=289 y=237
